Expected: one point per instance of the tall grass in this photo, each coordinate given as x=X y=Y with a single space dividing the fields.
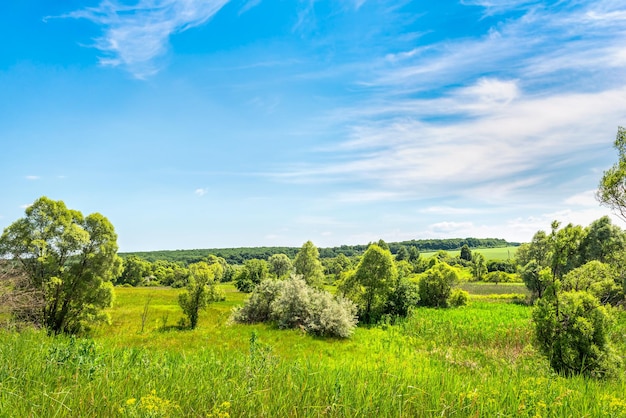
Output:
x=472 y=361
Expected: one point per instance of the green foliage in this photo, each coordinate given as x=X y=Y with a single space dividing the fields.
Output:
x=612 y=188
x=603 y=241
x=338 y=265
x=436 y=284
x=307 y=264
x=404 y=297
x=280 y=265
x=474 y=361
x=293 y=304
x=458 y=297
x=69 y=258
x=253 y=272
x=565 y=246
x=478 y=266
x=134 y=272
x=501 y=277
x=372 y=283
x=238 y=256
x=536 y=278
x=402 y=254
x=597 y=278
x=200 y=290
x=572 y=331
x=466 y=253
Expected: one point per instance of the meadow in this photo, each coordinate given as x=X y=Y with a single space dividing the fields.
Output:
x=499 y=253
x=472 y=361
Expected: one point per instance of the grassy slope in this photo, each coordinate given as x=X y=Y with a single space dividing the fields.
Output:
x=503 y=253
x=473 y=361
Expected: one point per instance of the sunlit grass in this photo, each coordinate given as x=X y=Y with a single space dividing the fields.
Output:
x=473 y=361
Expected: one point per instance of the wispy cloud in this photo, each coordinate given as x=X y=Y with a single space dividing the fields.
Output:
x=201 y=191
x=534 y=100
x=135 y=34
x=32 y=177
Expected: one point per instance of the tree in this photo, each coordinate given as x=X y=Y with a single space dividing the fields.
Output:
x=338 y=265
x=134 y=272
x=466 y=253
x=479 y=269
x=573 y=332
x=372 y=283
x=565 y=248
x=536 y=278
x=612 y=189
x=603 y=241
x=597 y=278
x=280 y=265
x=436 y=285
x=251 y=274
x=308 y=265
x=200 y=290
x=69 y=258
x=414 y=254
x=402 y=254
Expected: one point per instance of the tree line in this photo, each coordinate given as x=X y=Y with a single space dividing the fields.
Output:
x=238 y=256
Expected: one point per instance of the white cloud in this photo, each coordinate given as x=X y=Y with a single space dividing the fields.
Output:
x=550 y=102
x=26 y=206
x=201 y=192
x=136 y=34
x=32 y=177
x=586 y=198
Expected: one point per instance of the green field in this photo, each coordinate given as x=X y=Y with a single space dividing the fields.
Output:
x=471 y=361
x=502 y=253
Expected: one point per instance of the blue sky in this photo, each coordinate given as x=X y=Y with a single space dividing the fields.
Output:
x=216 y=123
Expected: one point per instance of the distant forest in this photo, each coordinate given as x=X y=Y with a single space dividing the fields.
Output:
x=240 y=255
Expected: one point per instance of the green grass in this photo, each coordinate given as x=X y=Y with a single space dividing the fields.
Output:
x=472 y=361
x=503 y=253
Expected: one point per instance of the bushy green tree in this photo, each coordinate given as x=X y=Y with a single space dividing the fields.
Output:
x=200 y=290
x=307 y=264
x=280 y=265
x=338 y=265
x=572 y=331
x=372 y=283
x=597 y=278
x=402 y=254
x=135 y=270
x=69 y=258
x=536 y=278
x=251 y=274
x=466 y=253
x=436 y=284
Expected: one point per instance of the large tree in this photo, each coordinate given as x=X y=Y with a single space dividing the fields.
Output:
x=308 y=264
x=280 y=265
x=69 y=258
x=372 y=283
x=612 y=188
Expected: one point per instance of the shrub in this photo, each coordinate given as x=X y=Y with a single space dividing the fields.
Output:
x=458 y=297
x=257 y=307
x=436 y=285
x=294 y=304
x=404 y=297
x=572 y=331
